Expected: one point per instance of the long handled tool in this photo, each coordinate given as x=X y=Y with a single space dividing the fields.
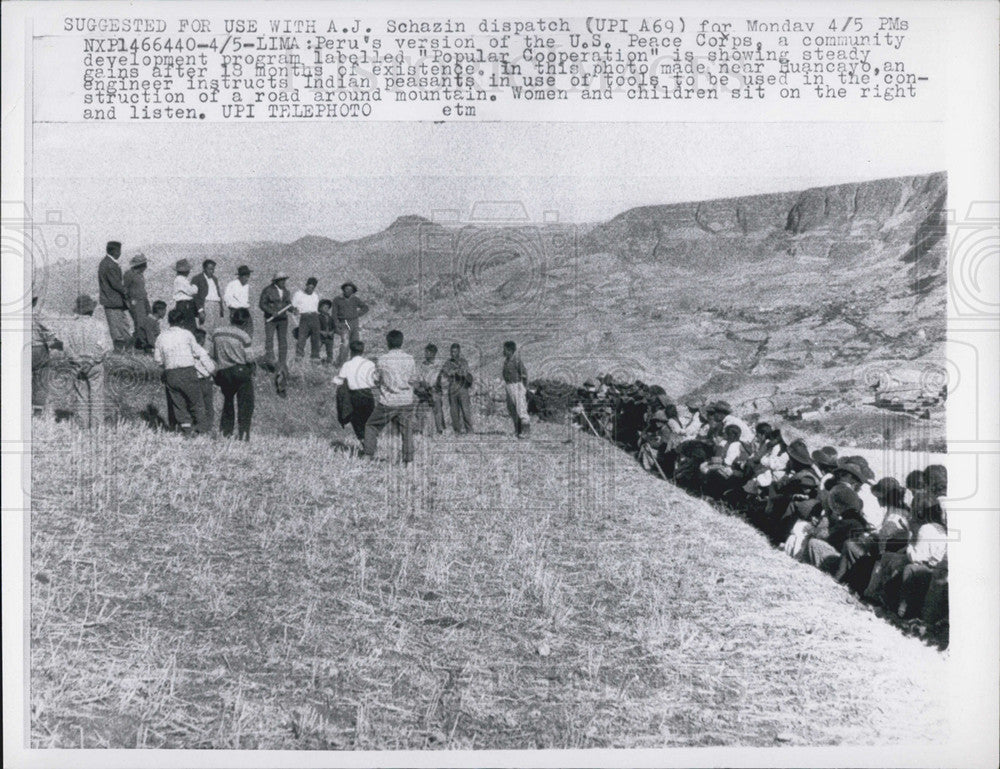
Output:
x=279 y=313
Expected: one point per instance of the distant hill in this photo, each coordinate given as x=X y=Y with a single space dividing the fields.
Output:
x=769 y=300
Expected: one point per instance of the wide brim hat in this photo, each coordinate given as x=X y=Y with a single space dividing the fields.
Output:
x=853 y=469
x=182 y=265
x=825 y=458
x=279 y=275
x=349 y=283
x=862 y=463
x=137 y=260
x=243 y=270
x=798 y=451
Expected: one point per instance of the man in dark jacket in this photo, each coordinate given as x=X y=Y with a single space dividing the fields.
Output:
x=134 y=281
x=276 y=303
x=113 y=297
x=456 y=379
x=208 y=301
x=347 y=312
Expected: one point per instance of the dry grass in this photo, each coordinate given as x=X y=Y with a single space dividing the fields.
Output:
x=496 y=594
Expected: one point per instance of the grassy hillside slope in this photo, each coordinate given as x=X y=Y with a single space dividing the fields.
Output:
x=496 y=594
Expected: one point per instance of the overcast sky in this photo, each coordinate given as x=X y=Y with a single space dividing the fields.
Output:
x=218 y=182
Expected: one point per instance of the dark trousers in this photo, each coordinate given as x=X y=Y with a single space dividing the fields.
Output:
x=236 y=383
x=208 y=396
x=435 y=407
x=327 y=343
x=190 y=321
x=185 y=399
x=916 y=580
x=362 y=406
x=308 y=329
x=279 y=328
x=384 y=415
x=39 y=376
x=461 y=409
x=857 y=560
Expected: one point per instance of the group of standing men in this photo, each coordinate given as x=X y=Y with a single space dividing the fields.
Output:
x=393 y=390
x=329 y=324
x=199 y=350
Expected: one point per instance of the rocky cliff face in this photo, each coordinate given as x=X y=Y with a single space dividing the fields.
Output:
x=845 y=220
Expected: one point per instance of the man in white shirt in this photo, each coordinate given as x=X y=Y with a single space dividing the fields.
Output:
x=184 y=294
x=177 y=351
x=358 y=374
x=237 y=295
x=307 y=304
x=395 y=374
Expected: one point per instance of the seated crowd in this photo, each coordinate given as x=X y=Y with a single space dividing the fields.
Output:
x=883 y=539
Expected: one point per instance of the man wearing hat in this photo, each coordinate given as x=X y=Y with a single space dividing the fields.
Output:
x=347 y=312
x=113 y=297
x=134 y=281
x=276 y=303
x=208 y=301
x=87 y=342
x=184 y=293
x=237 y=295
x=306 y=303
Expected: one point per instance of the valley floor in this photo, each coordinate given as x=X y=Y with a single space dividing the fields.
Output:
x=495 y=594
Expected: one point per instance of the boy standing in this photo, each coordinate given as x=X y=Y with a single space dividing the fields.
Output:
x=515 y=382
x=326 y=329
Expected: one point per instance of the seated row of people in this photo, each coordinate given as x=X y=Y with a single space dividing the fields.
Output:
x=884 y=539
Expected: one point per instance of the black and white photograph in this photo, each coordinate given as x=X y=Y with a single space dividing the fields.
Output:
x=408 y=384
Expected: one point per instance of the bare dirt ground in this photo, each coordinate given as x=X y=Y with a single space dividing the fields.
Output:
x=497 y=594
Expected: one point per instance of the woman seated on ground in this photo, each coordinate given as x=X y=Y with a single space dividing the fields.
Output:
x=859 y=556
x=800 y=483
x=900 y=580
x=841 y=523
x=767 y=464
x=725 y=468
